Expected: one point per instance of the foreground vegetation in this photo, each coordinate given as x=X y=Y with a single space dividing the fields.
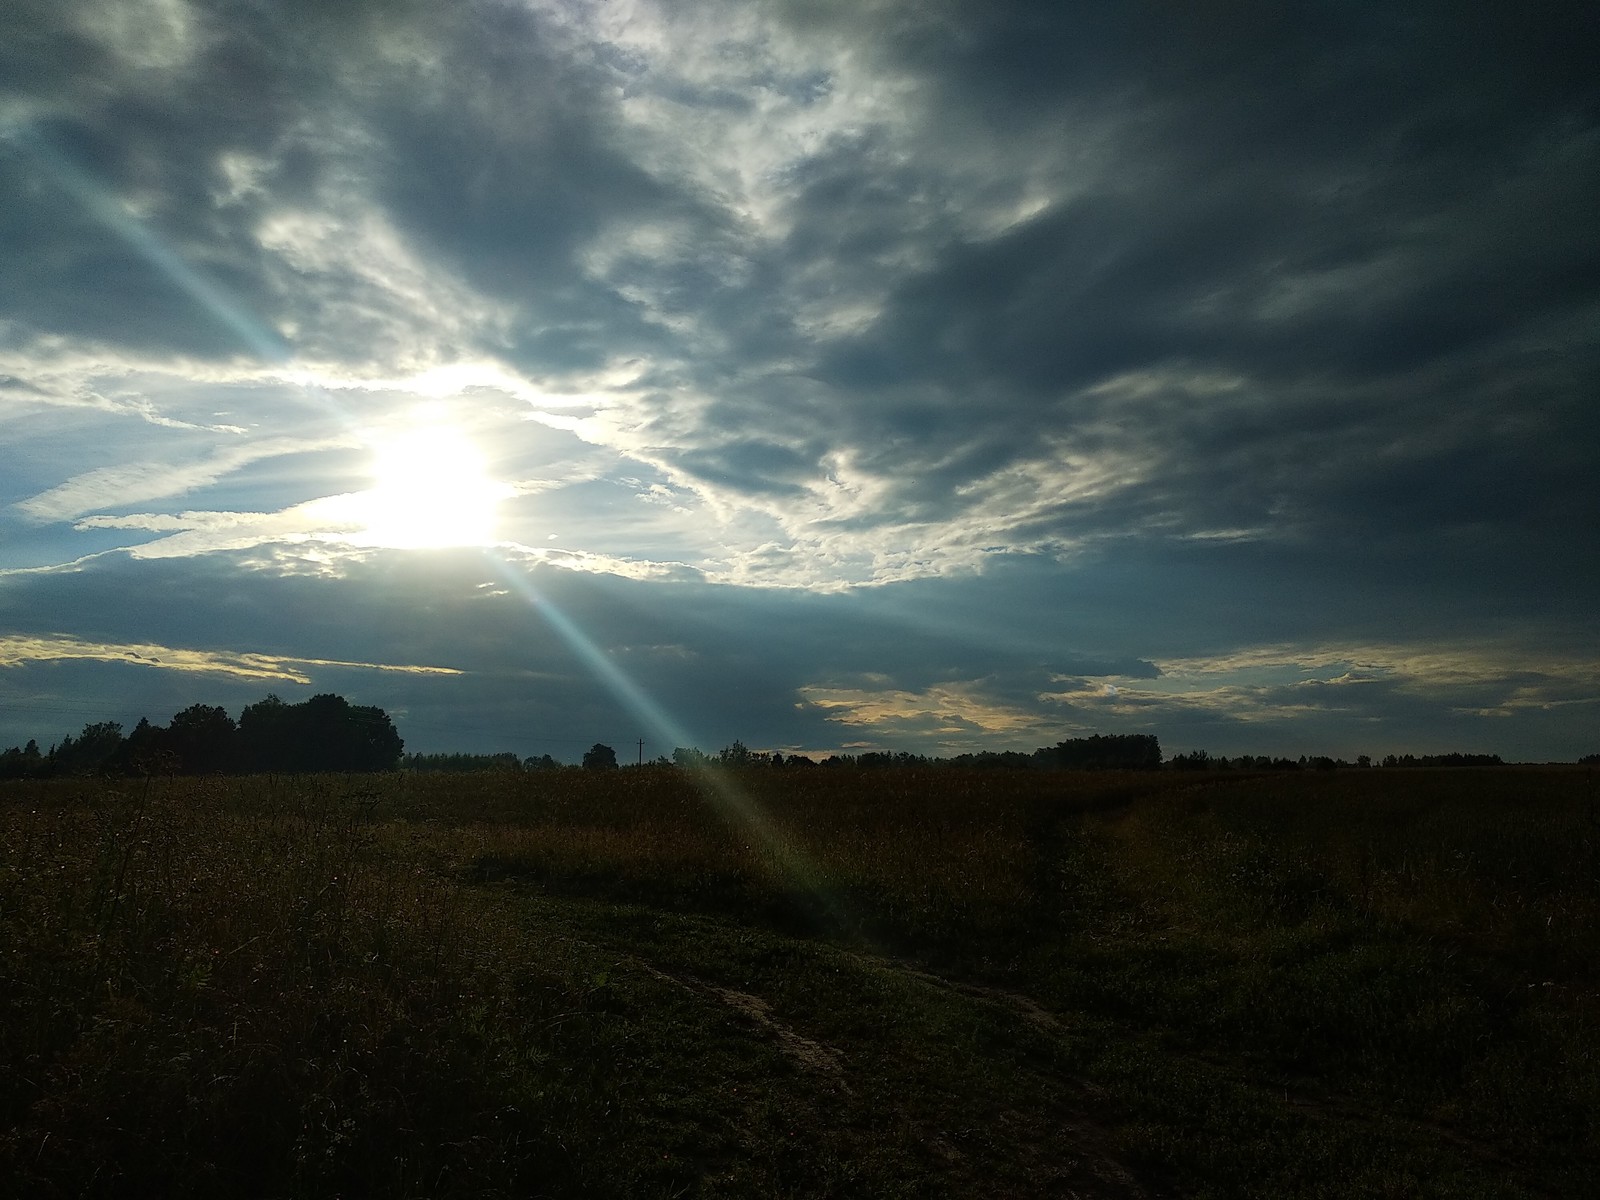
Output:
x=798 y=984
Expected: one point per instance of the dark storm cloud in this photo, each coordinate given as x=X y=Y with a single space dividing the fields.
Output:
x=1377 y=219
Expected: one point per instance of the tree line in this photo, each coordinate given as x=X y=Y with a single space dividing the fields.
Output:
x=327 y=733
x=1112 y=752
x=324 y=733
x=460 y=764
x=1097 y=752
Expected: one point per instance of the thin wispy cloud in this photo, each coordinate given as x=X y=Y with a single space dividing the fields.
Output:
x=135 y=483
x=18 y=651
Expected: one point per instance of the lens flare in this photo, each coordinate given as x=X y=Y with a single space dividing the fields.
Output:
x=104 y=207
x=718 y=787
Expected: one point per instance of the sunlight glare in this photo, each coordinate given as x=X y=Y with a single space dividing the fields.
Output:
x=431 y=488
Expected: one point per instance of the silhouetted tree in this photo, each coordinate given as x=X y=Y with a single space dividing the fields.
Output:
x=599 y=758
x=1099 y=752
x=94 y=750
x=1443 y=760
x=324 y=733
x=878 y=759
x=341 y=736
x=204 y=740
x=266 y=735
x=23 y=763
x=145 y=752
x=1008 y=760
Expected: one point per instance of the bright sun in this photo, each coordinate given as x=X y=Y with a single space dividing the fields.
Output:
x=431 y=488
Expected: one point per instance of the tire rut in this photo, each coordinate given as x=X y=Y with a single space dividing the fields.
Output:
x=805 y=1052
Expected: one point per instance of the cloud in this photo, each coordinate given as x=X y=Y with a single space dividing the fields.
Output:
x=954 y=715
x=938 y=666
x=17 y=651
x=1091 y=338
x=135 y=482
x=895 y=286
x=336 y=520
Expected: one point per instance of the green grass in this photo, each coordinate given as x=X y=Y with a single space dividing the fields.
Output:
x=892 y=984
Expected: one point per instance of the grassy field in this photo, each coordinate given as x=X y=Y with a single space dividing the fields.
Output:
x=802 y=983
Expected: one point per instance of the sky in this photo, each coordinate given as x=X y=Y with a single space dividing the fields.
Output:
x=927 y=376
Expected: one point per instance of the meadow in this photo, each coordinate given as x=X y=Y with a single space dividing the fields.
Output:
x=648 y=983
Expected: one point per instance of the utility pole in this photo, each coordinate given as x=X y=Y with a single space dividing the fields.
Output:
x=641 y=752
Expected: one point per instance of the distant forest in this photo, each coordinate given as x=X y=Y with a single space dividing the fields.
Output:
x=324 y=733
x=1098 y=752
x=328 y=733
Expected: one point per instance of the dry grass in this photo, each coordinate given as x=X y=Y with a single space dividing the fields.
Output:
x=509 y=985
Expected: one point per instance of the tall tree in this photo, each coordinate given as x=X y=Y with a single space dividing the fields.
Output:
x=204 y=739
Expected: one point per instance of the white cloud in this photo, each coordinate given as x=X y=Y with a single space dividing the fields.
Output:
x=108 y=487
x=148 y=35
x=18 y=650
x=956 y=712
x=364 y=299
